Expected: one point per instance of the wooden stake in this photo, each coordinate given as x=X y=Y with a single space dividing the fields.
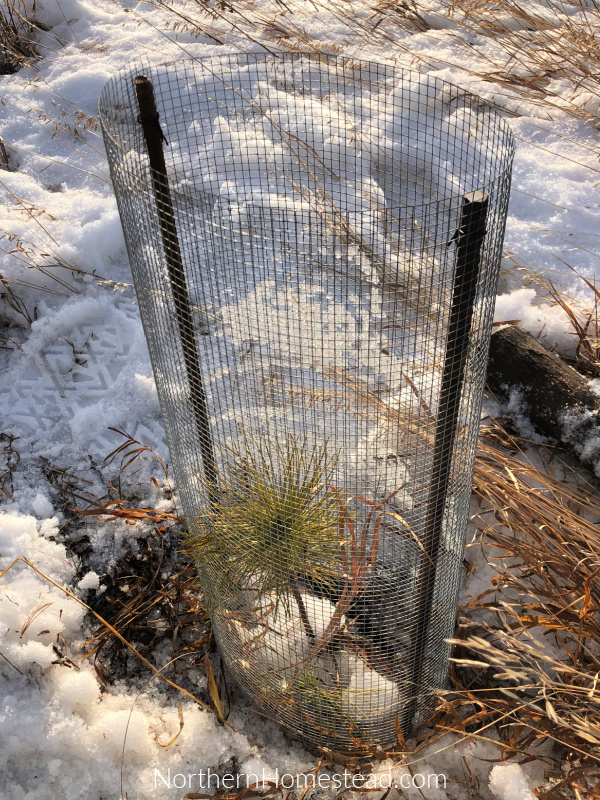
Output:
x=470 y=238
x=154 y=144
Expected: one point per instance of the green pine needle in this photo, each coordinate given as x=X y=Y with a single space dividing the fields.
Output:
x=276 y=519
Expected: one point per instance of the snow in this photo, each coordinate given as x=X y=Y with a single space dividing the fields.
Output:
x=82 y=365
x=41 y=506
x=61 y=735
x=508 y=782
x=91 y=580
x=540 y=319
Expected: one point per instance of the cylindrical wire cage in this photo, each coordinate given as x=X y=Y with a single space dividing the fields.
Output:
x=315 y=243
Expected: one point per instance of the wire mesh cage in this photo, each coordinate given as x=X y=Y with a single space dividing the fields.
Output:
x=315 y=243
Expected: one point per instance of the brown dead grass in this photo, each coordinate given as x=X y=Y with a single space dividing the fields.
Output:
x=17 y=45
x=582 y=319
x=528 y=648
x=537 y=630
x=520 y=51
x=527 y=655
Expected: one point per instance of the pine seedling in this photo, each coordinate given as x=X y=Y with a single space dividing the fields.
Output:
x=276 y=518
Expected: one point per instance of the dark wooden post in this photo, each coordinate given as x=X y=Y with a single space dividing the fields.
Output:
x=154 y=143
x=470 y=238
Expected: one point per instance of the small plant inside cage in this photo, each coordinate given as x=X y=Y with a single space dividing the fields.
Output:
x=294 y=572
x=315 y=243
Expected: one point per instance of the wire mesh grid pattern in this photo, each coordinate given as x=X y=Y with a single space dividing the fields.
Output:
x=315 y=255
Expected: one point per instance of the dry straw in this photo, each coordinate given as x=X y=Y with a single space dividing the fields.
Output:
x=527 y=654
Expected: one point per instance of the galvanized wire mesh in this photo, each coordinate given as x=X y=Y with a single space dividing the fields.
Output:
x=316 y=261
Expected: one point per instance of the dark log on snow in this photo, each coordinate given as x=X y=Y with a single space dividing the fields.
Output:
x=556 y=398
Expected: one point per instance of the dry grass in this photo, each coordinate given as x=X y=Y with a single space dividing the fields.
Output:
x=534 y=46
x=527 y=656
x=582 y=320
x=17 y=44
x=538 y=627
x=526 y=63
x=520 y=51
x=527 y=650
x=539 y=518
x=150 y=595
x=538 y=521
x=35 y=263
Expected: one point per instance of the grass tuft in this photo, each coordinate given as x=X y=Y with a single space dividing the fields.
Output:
x=16 y=37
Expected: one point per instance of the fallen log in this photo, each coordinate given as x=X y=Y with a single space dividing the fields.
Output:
x=556 y=398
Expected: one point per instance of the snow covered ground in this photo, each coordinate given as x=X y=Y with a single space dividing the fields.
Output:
x=74 y=362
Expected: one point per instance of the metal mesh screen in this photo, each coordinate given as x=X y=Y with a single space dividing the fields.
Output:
x=315 y=243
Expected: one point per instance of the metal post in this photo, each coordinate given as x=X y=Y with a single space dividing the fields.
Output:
x=164 y=206
x=470 y=238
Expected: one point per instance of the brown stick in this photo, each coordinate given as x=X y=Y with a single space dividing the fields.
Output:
x=154 y=143
x=470 y=238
